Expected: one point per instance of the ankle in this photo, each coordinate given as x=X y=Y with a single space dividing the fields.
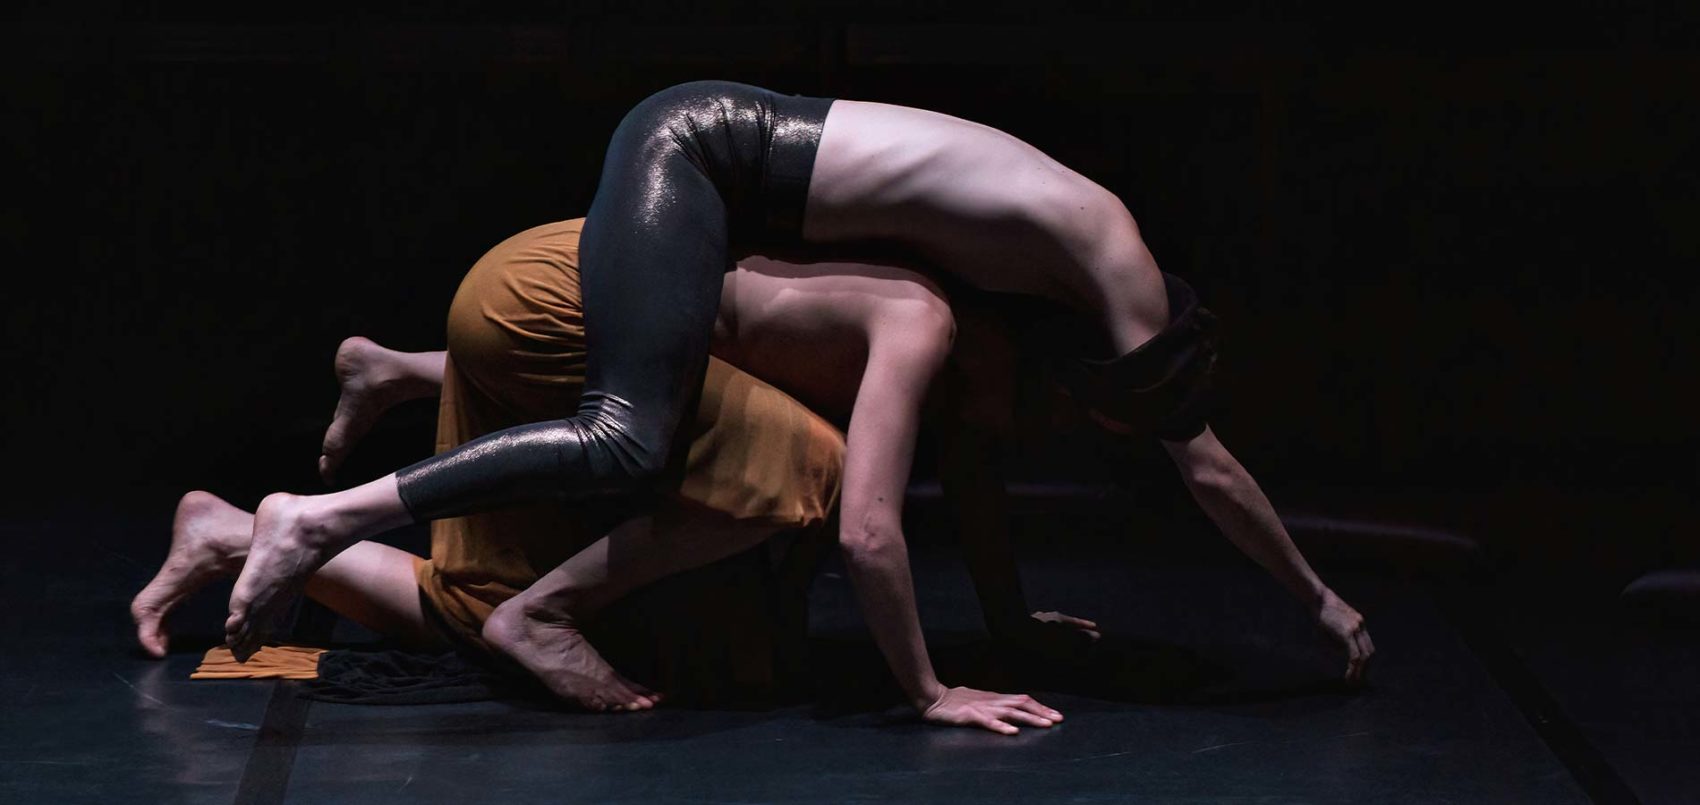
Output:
x=342 y=517
x=416 y=374
x=555 y=609
x=312 y=519
x=232 y=555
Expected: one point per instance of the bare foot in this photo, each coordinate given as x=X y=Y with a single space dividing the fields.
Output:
x=373 y=380
x=556 y=653
x=209 y=539
x=290 y=542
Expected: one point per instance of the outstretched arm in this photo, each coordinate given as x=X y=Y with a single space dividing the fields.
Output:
x=879 y=449
x=1232 y=499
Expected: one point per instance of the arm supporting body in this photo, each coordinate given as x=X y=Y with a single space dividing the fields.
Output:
x=1236 y=504
x=880 y=449
x=1233 y=500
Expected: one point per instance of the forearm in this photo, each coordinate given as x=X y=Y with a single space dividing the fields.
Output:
x=1235 y=503
x=885 y=590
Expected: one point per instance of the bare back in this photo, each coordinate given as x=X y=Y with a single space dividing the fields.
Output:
x=986 y=207
x=806 y=328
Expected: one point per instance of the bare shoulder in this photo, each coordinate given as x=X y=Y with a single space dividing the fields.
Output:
x=862 y=293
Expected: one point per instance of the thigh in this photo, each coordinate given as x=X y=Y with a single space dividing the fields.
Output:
x=375 y=586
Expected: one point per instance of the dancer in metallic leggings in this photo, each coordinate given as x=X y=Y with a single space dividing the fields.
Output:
x=700 y=174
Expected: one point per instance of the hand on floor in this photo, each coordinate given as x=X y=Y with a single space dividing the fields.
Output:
x=1346 y=626
x=1074 y=625
x=998 y=712
x=1049 y=637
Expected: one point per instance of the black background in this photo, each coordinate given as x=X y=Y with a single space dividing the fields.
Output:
x=1454 y=247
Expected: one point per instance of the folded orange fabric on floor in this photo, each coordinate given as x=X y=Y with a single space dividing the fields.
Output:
x=270 y=662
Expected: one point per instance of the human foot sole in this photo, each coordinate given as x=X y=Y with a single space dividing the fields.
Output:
x=563 y=660
x=209 y=539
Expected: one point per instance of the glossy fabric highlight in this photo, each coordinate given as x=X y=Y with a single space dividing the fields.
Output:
x=695 y=176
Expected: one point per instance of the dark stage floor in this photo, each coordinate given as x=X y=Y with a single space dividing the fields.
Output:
x=1222 y=694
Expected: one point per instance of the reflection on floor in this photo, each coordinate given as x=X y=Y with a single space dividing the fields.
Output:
x=1211 y=686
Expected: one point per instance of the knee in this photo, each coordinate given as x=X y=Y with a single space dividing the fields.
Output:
x=635 y=448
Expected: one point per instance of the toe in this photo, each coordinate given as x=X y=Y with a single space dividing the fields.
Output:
x=148 y=610
x=148 y=631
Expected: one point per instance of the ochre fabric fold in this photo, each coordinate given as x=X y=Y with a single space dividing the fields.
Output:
x=270 y=662
x=517 y=355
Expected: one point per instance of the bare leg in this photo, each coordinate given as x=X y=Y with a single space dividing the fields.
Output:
x=541 y=627
x=370 y=583
x=295 y=536
x=373 y=585
x=373 y=379
x=987 y=207
x=209 y=540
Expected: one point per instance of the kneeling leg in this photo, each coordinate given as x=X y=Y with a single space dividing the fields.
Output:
x=542 y=627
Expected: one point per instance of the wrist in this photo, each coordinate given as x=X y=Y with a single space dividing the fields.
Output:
x=1318 y=598
x=928 y=695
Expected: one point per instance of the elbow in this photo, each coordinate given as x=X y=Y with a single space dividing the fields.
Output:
x=927 y=327
x=869 y=542
x=935 y=328
x=1213 y=479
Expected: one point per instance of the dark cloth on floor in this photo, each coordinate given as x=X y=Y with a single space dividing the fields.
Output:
x=403 y=677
